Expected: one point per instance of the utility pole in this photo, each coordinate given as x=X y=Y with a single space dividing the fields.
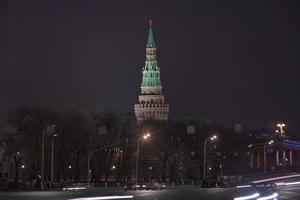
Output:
x=52 y=157
x=265 y=159
x=43 y=154
x=137 y=161
x=204 y=159
x=52 y=168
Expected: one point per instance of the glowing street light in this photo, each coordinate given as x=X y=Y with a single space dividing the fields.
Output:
x=280 y=125
x=271 y=142
x=213 y=138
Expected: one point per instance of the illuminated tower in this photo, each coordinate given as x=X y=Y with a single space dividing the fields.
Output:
x=151 y=101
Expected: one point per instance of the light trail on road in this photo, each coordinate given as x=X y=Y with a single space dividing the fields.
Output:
x=273 y=196
x=276 y=178
x=247 y=197
x=104 y=198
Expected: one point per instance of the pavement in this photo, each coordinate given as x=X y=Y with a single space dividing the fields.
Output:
x=179 y=192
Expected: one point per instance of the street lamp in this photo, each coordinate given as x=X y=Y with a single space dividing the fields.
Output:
x=212 y=138
x=145 y=137
x=280 y=126
x=46 y=130
x=265 y=154
x=22 y=173
x=52 y=153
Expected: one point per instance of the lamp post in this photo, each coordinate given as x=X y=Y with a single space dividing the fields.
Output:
x=43 y=152
x=52 y=155
x=145 y=137
x=265 y=155
x=22 y=171
x=280 y=126
x=212 y=138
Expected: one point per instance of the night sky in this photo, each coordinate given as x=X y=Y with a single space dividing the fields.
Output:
x=233 y=61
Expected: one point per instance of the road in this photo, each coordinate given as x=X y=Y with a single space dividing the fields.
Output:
x=183 y=192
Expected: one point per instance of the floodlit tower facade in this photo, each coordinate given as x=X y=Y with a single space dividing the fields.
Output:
x=152 y=103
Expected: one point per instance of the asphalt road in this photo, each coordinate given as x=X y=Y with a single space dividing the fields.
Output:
x=183 y=192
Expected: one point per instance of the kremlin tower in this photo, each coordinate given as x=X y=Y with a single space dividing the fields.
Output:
x=152 y=105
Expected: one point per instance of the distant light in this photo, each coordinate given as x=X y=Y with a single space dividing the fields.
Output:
x=250 y=145
x=70 y=166
x=148 y=134
x=209 y=168
x=247 y=197
x=23 y=166
x=113 y=167
x=150 y=168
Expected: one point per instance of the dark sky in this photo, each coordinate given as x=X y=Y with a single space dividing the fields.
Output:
x=229 y=60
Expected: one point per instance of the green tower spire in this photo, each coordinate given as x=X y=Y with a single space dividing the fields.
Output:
x=151 y=72
x=150 y=42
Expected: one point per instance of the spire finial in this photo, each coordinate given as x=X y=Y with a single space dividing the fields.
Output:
x=150 y=22
x=150 y=42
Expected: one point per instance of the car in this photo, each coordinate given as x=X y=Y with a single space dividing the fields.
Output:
x=129 y=186
x=154 y=185
x=264 y=187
